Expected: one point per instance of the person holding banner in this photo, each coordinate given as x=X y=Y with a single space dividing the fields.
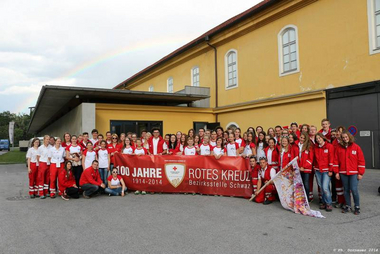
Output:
x=127 y=148
x=305 y=160
x=173 y=147
x=31 y=156
x=219 y=150
x=43 y=168
x=272 y=154
x=90 y=181
x=286 y=153
x=57 y=158
x=190 y=149
x=205 y=148
x=254 y=172
x=232 y=147
x=265 y=174
x=324 y=161
x=156 y=143
x=349 y=165
x=250 y=146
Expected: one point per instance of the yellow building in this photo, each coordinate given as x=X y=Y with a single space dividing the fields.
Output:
x=278 y=62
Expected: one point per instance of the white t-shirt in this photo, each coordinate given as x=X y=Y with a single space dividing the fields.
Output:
x=103 y=158
x=239 y=141
x=155 y=144
x=90 y=157
x=205 y=149
x=128 y=150
x=260 y=153
x=213 y=143
x=232 y=149
x=57 y=156
x=219 y=150
x=32 y=154
x=189 y=151
x=93 y=141
x=248 y=149
x=115 y=182
x=300 y=148
x=269 y=156
x=139 y=151
x=43 y=152
x=74 y=149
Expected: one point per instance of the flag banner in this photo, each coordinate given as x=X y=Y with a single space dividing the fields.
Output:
x=291 y=191
x=227 y=176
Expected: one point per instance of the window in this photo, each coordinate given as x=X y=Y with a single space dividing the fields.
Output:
x=151 y=88
x=374 y=26
x=170 y=85
x=198 y=125
x=119 y=127
x=231 y=69
x=288 y=50
x=195 y=76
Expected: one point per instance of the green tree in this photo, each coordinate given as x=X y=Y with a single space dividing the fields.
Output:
x=21 y=126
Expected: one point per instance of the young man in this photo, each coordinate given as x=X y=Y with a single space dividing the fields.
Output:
x=83 y=143
x=52 y=141
x=266 y=173
x=312 y=133
x=94 y=138
x=90 y=180
x=219 y=131
x=201 y=134
x=294 y=129
x=142 y=137
x=156 y=143
x=277 y=130
x=109 y=137
x=326 y=130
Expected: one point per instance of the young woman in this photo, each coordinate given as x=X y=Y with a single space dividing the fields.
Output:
x=66 y=182
x=190 y=149
x=139 y=149
x=250 y=146
x=116 y=185
x=232 y=147
x=305 y=128
x=178 y=135
x=286 y=153
x=31 y=155
x=97 y=144
x=225 y=137
x=350 y=168
x=74 y=154
x=148 y=135
x=245 y=137
x=213 y=138
x=305 y=160
x=114 y=148
x=205 y=148
x=272 y=154
x=43 y=167
x=66 y=140
x=133 y=139
x=89 y=155
x=197 y=140
x=190 y=133
x=259 y=129
x=251 y=129
x=271 y=132
x=127 y=148
x=104 y=161
x=293 y=140
x=324 y=159
x=219 y=150
x=173 y=147
x=238 y=138
x=261 y=145
x=182 y=143
x=57 y=159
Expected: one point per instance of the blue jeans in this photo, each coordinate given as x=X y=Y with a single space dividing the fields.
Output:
x=323 y=180
x=350 y=183
x=103 y=175
x=305 y=179
x=115 y=192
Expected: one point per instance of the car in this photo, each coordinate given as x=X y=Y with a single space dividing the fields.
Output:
x=4 y=145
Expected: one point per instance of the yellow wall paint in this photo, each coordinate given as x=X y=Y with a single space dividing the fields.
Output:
x=174 y=118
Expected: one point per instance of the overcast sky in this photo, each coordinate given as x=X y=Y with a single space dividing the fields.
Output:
x=93 y=43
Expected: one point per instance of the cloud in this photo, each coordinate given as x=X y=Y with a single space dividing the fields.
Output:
x=35 y=88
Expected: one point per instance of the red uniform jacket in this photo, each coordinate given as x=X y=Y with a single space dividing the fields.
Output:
x=349 y=160
x=274 y=158
x=112 y=149
x=328 y=135
x=324 y=157
x=286 y=158
x=90 y=176
x=65 y=182
x=160 y=145
x=306 y=160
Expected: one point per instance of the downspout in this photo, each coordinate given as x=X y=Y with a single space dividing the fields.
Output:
x=207 y=39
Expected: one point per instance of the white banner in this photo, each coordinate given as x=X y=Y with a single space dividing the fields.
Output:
x=11 y=132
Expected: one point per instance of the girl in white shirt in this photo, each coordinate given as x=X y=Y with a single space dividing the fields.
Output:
x=232 y=147
x=190 y=148
x=139 y=150
x=219 y=150
x=213 y=138
x=261 y=145
x=205 y=148
x=57 y=158
x=89 y=155
x=74 y=154
x=104 y=161
x=31 y=155
x=250 y=147
x=127 y=148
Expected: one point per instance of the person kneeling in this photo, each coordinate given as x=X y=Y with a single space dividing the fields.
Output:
x=266 y=173
x=116 y=185
x=90 y=180
x=66 y=182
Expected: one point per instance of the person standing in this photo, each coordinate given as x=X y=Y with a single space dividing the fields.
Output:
x=74 y=154
x=43 y=167
x=90 y=181
x=89 y=155
x=349 y=166
x=57 y=158
x=31 y=156
x=326 y=130
x=305 y=160
x=94 y=138
x=272 y=154
x=104 y=161
x=156 y=143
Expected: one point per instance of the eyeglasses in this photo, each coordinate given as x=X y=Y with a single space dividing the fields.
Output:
x=114 y=172
x=114 y=138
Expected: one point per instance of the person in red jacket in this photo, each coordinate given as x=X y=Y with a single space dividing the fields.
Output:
x=286 y=153
x=173 y=147
x=324 y=161
x=254 y=172
x=294 y=129
x=349 y=165
x=271 y=153
x=266 y=173
x=337 y=184
x=305 y=160
x=326 y=130
x=113 y=148
x=66 y=182
x=156 y=143
x=90 y=180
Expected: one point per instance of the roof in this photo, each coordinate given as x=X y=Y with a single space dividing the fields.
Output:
x=55 y=101
x=204 y=37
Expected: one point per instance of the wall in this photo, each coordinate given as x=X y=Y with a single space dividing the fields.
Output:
x=174 y=118
x=80 y=119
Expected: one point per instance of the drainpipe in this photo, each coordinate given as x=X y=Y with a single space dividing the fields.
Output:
x=207 y=39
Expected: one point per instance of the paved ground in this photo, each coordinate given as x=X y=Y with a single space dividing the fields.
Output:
x=174 y=223
x=3 y=152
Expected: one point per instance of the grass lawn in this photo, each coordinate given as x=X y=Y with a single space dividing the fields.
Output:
x=13 y=157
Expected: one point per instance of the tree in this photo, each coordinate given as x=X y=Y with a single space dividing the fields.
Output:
x=21 y=126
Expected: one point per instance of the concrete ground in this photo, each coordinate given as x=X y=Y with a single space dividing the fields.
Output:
x=3 y=152
x=177 y=223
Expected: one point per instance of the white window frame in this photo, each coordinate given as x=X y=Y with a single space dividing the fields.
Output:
x=373 y=48
x=151 y=88
x=167 y=85
x=232 y=123
x=227 y=87
x=280 y=52
x=192 y=75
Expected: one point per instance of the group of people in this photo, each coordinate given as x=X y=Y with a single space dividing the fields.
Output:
x=85 y=165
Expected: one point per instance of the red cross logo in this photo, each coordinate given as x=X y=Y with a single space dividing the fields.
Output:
x=175 y=168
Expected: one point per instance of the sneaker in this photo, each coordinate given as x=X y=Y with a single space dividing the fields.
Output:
x=137 y=192
x=151 y=192
x=52 y=195
x=32 y=196
x=328 y=208
x=322 y=206
x=357 y=210
x=267 y=202
x=37 y=196
x=65 y=197
x=193 y=194
x=346 y=209
x=84 y=195
x=42 y=197
x=143 y=193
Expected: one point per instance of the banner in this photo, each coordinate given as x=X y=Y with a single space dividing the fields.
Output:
x=11 y=132
x=228 y=176
x=291 y=191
